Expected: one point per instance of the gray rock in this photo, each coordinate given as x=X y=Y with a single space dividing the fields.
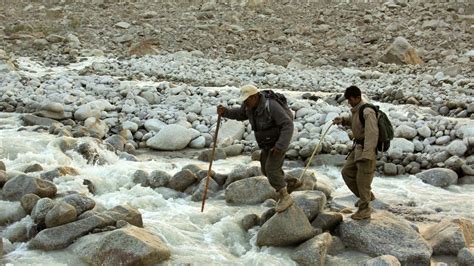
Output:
x=439 y=177
x=21 y=185
x=80 y=202
x=140 y=177
x=32 y=120
x=239 y=172
x=234 y=150
x=328 y=159
x=252 y=190
x=424 y=131
x=158 y=178
x=182 y=179
x=230 y=130
x=336 y=247
x=198 y=143
x=311 y=202
x=465 y=180
x=287 y=228
x=440 y=157
x=171 y=137
x=33 y=168
x=401 y=52
x=390 y=169
x=206 y=155
x=466 y=256
x=403 y=144
x=129 y=245
x=41 y=209
x=404 y=131
x=449 y=237
x=2 y=166
x=268 y=213
x=327 y=221
x=385 y=260
x=313 y=251
x=386 y=234
x=249 y=221
x=443 y=140
x=117 y=141
x=62 y=236
x=61 y=213
x=457 y=147
x=28 y=202
x=198 y=194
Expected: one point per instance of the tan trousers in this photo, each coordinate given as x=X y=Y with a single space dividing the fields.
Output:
x=358 y=177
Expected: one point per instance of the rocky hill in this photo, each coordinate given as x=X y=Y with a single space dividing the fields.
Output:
x=312 y=33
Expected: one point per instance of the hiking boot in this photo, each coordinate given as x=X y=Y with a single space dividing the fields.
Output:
x=362 y=214
x=285 y=200
x=372 y=197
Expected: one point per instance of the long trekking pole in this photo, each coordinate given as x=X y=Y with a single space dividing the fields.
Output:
x=315 y=149
x=210 y=163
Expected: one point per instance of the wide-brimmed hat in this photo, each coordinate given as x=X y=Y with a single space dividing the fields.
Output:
x=247 y=91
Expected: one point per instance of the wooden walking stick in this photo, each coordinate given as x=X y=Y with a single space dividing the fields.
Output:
x=210 y=163
x=315 y=150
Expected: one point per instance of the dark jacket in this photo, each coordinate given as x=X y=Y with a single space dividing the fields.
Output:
x=271 y=123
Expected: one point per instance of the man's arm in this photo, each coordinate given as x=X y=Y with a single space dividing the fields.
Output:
x=233 y=113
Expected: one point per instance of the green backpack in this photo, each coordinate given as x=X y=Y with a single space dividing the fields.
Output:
x=385 y=127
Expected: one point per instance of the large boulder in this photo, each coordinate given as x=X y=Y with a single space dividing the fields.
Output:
x=311 y=202
x=239 y=172
x=212 y=187
x=439 y=177
x=80 y=202
x=182 y=179
x=287 y=228
x=401 y=52
x=406 y=132
x=61 y=213
x=386 y=234
x=327 y=221
x=457 y=147
x=41 y=209
x=171 y=138
x=21 y=185
x=125 y=246
x=230 y=130
x=62 y=236
x=252 y=190
x=313 y=251
x=449 y=237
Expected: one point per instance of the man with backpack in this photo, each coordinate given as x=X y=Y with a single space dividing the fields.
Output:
x=359 y=168
x=272 y=122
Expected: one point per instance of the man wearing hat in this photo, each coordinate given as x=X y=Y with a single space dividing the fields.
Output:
x=273 y=128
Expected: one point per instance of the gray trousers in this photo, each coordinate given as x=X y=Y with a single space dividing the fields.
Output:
x=358 y=176
x=271 y=166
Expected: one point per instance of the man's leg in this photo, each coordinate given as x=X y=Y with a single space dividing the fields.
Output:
x=365 y=175
x=349 y=174
x=263 y=160
x=276 y=177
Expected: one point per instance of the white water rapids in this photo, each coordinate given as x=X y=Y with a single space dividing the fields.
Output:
x=214 y=237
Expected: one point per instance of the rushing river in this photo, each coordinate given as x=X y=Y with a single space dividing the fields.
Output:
x=214 y=237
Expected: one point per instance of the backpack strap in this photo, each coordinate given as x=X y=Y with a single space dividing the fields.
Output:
x=361 y=112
